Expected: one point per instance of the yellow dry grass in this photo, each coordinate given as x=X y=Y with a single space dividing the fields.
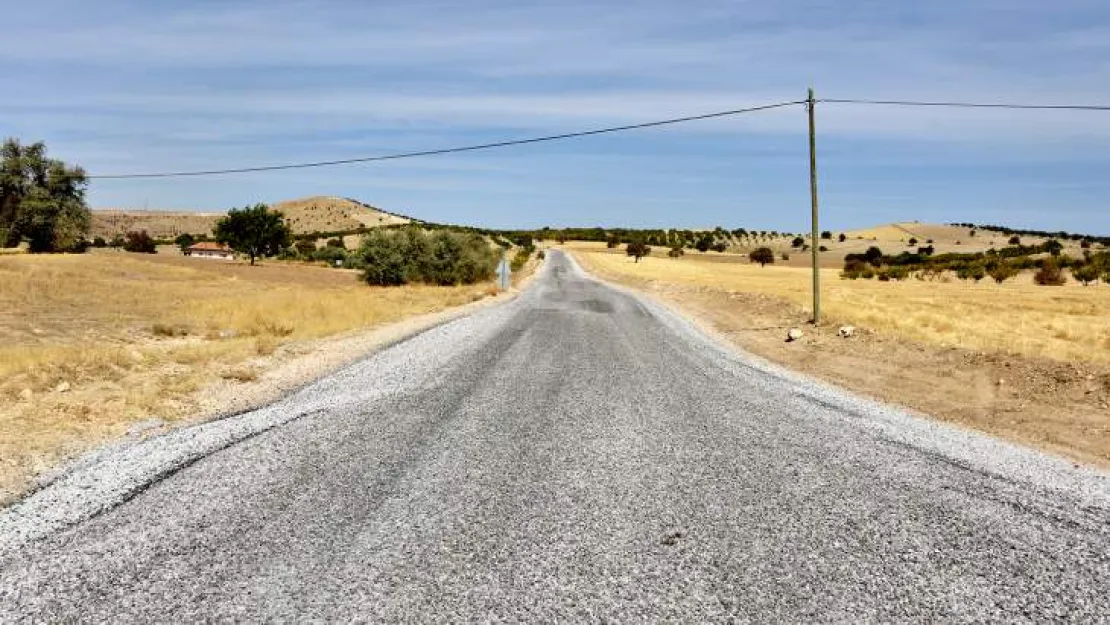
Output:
x=1067 y=323
x=91 y=343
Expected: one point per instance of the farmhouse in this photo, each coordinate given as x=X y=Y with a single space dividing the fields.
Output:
x=208 y=249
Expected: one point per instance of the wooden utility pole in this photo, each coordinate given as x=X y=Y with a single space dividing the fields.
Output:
x=815 y=237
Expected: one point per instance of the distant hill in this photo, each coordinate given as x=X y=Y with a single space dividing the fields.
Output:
x=305 y=215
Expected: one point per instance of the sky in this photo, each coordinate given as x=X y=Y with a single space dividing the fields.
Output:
x=136 y=87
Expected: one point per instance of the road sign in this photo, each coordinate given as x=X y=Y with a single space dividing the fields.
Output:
x=504 y=275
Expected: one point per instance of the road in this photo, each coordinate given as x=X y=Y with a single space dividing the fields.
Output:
x=577 y=454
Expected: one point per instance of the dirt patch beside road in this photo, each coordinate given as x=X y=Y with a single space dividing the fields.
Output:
x=1063 y=407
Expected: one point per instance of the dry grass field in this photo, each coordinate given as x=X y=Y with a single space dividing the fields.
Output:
x=310 y=214
x=90 y=344
x=1064 y=323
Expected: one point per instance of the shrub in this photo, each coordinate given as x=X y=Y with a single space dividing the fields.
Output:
x=719 y=246
x=1002 y=272
x=1085 y=244
x=1049 y=274
x=912 y=242
x=1014 y=240
x=785 y=256
x=841 y=238
x=139 y=242
x=521 y=257
x=826 y=235
x=99 y=242
x=798 y=242
x=541 y=255
x=763 y=256
x=1086 y=273
x=822 y=249
x=675 y=252
x=337 y=242
x=612 y=242
x=1053 y=247
x=305 y=248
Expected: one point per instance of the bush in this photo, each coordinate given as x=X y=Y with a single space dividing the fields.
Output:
x=521 y=257
x=541 y=255
x=305 y=248
x=1002 y=272
x=822 y=249
x=785 y=256
x=1014 y=240
x=719 y=246
x=841 y=238
x=675 y=252
x=1049 y=274
x=338 y=243
x=139 y=242
x=99 y=242
x=798 y=242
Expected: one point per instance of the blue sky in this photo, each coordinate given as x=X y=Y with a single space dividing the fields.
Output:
x=123 y=87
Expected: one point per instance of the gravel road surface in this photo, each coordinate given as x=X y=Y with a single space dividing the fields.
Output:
x=577 y=454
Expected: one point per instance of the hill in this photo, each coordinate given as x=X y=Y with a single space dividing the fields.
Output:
x=304 y=215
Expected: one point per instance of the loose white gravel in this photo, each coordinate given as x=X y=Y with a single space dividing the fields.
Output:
x=580 y=453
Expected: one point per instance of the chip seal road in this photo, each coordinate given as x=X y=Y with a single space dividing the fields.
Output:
x=580 y=453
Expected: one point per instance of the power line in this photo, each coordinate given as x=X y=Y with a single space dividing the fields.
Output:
x=977 y=105
x=468 y=148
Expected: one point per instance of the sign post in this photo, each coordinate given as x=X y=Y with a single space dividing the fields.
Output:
x=504 y=275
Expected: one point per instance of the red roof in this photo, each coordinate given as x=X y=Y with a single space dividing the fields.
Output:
x=208 y=246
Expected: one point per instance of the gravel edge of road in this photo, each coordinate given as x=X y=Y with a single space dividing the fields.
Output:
x=971 y=449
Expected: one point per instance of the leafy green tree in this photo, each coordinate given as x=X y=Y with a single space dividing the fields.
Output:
x=255 y=231
x=41 y=200
x=826 y=235
x=1053 y=247
x=798 y=242
x=99 y=242
x=184 y=241
x=305 y=247
x=763 y=256
x=842 y=237
x=638 y=249
x=1087 y=273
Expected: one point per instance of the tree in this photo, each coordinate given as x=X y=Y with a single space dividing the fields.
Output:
x=719 y=246
x=763 y=256
x=1087 y=273
x=873 y=255
x=841 y=238
x=1052 y=246
x=99 y=242
x=184 y=241
x=637 y=249
x=798 y=242
x=255 y=231
x=704 y=243
x=1015 y=240
x=139 y=242
x=41 y=200
x=826 y=235
x=912 y=242
x=676 y=251
x=336 y=242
